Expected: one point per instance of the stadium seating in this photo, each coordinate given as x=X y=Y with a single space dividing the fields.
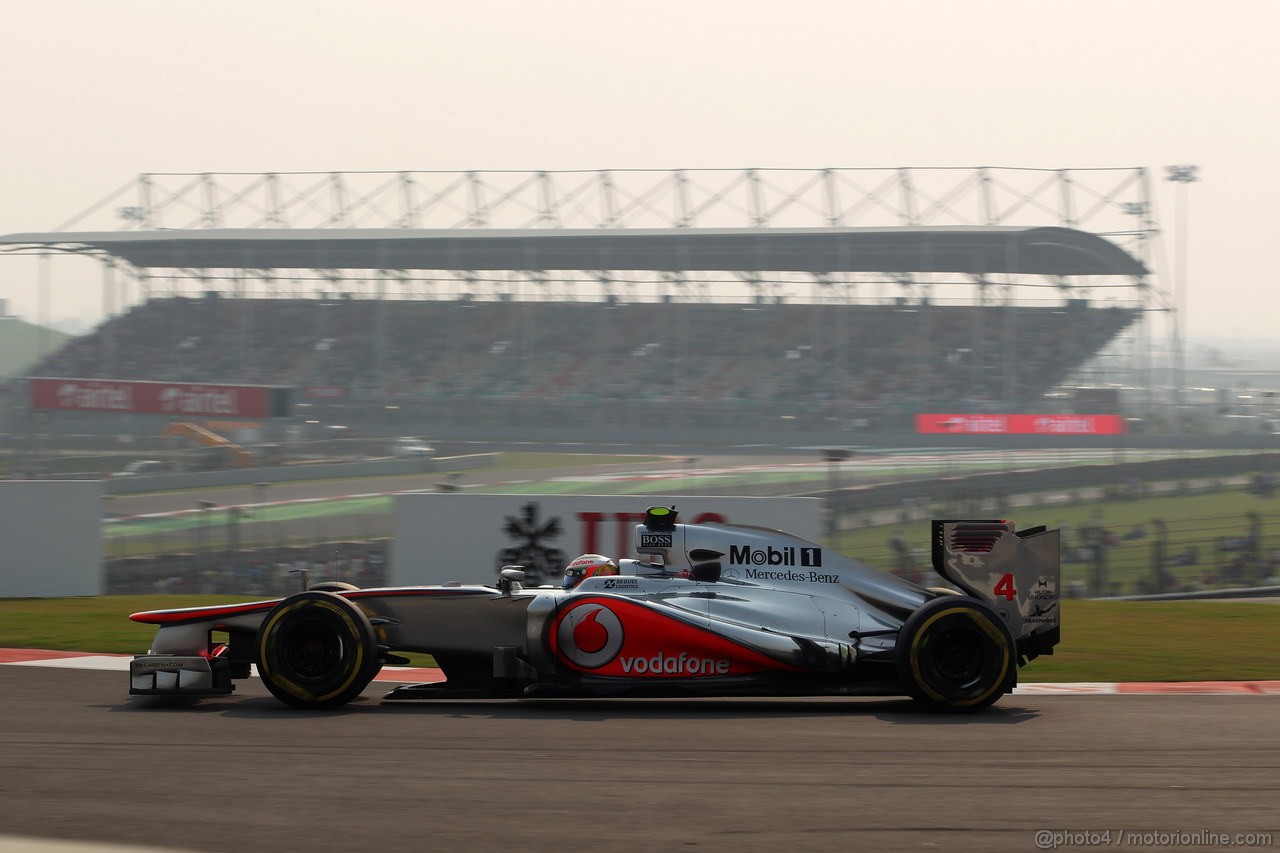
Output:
x=701 y=361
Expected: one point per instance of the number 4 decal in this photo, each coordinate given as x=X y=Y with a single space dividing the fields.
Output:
x=1004 y=587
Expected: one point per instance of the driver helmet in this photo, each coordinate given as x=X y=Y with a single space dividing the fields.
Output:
x=587 y=566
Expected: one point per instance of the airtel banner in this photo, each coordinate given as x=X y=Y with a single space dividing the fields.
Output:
x=152 y=398
x=1021 y=424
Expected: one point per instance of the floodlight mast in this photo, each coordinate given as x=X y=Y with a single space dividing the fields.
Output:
x=1182 y=175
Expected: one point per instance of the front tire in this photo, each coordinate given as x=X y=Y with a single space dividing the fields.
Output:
x=956 y=654
x=317 y=651
x=333 y=586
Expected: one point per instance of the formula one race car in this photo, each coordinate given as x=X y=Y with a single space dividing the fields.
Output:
x=707 y=610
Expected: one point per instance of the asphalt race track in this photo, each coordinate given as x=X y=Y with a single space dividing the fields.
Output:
x=80 y=760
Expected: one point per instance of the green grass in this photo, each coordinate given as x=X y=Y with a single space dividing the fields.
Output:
x=91 y=624
x=1164 y=641
x=1101 y=640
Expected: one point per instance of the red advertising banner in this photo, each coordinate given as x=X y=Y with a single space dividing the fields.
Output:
x=982 y=424
x=151 y=398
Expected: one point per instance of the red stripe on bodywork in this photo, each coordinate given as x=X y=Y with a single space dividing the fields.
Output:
x=191 y=614
x=394 y=593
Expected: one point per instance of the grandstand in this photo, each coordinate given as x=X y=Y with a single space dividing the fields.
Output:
x=681 y=363
x=535 y=297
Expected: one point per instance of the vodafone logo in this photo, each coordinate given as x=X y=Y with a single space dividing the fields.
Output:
x=590 y=635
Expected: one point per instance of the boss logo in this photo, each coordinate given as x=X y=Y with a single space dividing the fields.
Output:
x=656 y=540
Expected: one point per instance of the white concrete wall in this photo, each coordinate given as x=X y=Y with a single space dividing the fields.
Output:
x=50 y=538
x=457 y=537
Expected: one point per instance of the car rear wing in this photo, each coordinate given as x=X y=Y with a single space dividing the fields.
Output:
x=1017 y=573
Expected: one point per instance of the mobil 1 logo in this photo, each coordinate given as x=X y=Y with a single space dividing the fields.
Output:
x=745 y=555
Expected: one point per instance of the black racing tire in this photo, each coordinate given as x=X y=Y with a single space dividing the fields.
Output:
x=317 y=651
x=333 y=586
x=956 y=654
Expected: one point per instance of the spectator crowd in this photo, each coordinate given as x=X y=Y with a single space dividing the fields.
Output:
x=837 y=361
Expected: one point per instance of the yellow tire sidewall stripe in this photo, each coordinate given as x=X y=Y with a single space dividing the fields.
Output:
x=290 y=686
x=986 y=626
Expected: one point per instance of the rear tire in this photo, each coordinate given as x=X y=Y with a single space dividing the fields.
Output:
x=955 y=654
x=317 y=651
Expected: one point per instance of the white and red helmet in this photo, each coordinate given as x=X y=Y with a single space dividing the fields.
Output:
x=587 y=566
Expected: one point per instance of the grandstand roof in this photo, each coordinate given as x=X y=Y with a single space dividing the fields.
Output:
x=968 y=249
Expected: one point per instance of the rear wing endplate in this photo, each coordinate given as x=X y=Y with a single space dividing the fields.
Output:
x=1017 y=573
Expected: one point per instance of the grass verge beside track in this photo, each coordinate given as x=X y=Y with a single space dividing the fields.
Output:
x=1102 y=640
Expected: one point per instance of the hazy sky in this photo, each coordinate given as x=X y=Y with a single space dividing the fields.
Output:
x=97 y=92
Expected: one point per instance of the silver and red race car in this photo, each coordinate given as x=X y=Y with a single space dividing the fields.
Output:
x=706 y=610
